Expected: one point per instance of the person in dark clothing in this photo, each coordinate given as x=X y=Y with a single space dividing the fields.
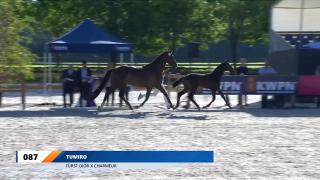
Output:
x=242 y=70
x=68 y=82
x=83 y=78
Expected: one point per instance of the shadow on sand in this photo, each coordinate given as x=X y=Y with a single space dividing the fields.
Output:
x=74 y=113
x=254 y=110
x=191 y=114
x=185 y=117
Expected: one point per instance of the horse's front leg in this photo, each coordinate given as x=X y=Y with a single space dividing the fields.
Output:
x=164 y=92
x=213 y=92
x=224 y=98
x=146 y=99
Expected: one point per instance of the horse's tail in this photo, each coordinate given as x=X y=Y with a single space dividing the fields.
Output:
x=177 y=82
x=102 y=85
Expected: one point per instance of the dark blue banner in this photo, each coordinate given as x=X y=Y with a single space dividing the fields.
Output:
x=229 y=85
x=233 y=84
x=135 y=157
x=271 y=84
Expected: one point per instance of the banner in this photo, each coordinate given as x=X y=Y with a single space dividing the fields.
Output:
x=114 y=156
x=233 y=84
x=309 y=85
x=229 y=85
x=271 y=84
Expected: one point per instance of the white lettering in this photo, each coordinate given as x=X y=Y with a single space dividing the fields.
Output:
x=290 y=86
x=230 y=86
x=259 y=86
x=76 y=156
x=276 y=86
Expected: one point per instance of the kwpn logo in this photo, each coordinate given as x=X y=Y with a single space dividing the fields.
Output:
x=280 y=86
x=271 y=85
x=232 y=84
x=274 y=85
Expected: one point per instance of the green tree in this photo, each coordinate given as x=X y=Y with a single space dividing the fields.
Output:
x=243 y=21
x=13 y=56
x=152 y=26
x=204 y=26
x=157 y=25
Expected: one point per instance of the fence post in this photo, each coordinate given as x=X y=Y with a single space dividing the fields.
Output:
x=242 y=91
x=23 y=94
x=0 y=99
x=240 y=100
x=293 y=100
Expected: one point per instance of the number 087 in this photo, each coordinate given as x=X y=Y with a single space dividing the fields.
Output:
x=30 y=156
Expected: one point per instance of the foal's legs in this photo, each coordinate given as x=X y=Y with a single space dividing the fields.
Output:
x=213 y=92
x=146 y=99
x=179 y=96
x=164 y=92
x=224 y=98
x=121 y=95
x=190 y=96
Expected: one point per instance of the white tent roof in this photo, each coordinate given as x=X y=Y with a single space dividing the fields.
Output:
x=296 y=16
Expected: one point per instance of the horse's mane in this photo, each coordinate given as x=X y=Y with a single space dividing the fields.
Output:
x=219 y=70
x=155 y=60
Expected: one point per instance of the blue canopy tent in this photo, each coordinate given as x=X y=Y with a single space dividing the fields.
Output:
x=84 y=38
x=88 y=38
x=313 y=45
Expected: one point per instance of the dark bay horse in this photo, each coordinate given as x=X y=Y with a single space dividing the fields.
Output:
x=193 y=82
x=149 y=76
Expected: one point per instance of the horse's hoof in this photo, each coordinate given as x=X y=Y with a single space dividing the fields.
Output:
x=186 y=107
x=99 y=108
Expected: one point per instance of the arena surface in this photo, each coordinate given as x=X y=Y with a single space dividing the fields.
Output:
x=249 y=143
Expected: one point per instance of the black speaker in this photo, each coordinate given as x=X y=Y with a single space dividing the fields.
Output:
x=193 y=50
